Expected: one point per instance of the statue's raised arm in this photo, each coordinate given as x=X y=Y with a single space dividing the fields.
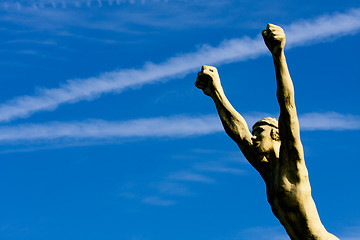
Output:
x=288 y=188
x=234 y=124
x=274 y=148
x=289 y=130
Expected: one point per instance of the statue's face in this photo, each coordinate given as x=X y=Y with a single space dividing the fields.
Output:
x=262 y=140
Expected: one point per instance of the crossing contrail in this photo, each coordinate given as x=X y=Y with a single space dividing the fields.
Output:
x=18 y=4
x=160 y=127
x=72 y=91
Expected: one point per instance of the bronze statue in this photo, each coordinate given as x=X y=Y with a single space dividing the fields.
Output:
x=274 y=148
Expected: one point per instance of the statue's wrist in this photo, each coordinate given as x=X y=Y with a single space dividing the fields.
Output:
x=278 y=53
x=217 y=93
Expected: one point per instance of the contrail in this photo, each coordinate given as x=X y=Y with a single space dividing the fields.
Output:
x=18 y=4
x=176 y=126
x=161 y=127
x=298 y=33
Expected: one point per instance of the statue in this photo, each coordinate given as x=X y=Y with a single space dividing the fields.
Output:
x=274 y=148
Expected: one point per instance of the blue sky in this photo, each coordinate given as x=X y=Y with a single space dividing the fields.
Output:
x=104 y=135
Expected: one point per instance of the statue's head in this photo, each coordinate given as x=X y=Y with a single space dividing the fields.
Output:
x=266 y=135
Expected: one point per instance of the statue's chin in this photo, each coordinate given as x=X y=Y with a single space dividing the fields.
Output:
x=259 y=150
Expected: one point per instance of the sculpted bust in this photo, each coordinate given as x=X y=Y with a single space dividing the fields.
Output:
x=273 y=148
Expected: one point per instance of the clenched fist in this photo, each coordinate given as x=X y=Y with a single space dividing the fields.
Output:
x=208 y=80
x=274 y=38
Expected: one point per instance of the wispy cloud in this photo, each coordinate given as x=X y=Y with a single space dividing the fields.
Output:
x=158 y=201
x=321 y=28
x=172 y=188
x=299 y=33
x=190 y=176
x=263 y=233
x=113 y=16
x=329 y=121
x=278 y=233
x=177 y=126
x=180 y=183
x=174 y=127
x=350 y=233
x=18 y=4
x=351 y=238
x=217 y=167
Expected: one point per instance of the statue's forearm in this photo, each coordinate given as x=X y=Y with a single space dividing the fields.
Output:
x=234 y=124
x=288 y=120
x=285 y=87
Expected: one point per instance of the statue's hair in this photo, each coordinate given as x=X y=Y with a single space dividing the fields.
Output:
x=267 y=121
x=272 y=122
